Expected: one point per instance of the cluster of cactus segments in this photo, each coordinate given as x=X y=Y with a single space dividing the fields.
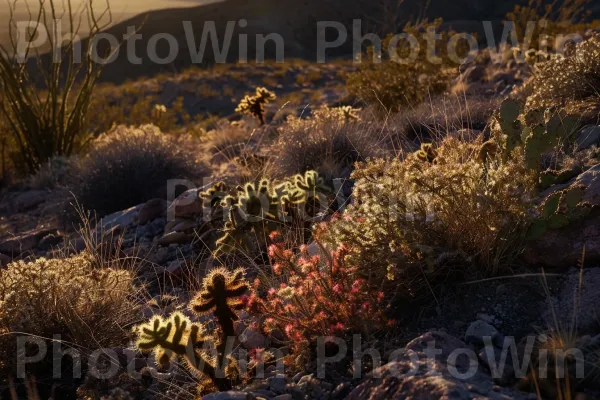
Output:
x=253 y=211
x=177 y=337
x=558 y=210
x=537 y=131
x=551 y=177
x=255 y=105
x=426 y=153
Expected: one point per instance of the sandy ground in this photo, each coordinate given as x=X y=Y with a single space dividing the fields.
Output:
x=121 y=10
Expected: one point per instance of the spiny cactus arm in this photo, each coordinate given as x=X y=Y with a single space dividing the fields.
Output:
x=203 y=303
x=237 y=291
x=153 y=333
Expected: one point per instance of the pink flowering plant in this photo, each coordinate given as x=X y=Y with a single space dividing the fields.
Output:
x=317 y=295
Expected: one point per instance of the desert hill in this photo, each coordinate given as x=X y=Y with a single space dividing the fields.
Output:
x=295 y=21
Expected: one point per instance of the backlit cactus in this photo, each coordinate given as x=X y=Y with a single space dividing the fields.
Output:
x=255 y=105
x=427 y=153
x=221 y=295
x=537 y=131
x=257 y=210
x=552 y=177
x=558 y=210
x=178 y=337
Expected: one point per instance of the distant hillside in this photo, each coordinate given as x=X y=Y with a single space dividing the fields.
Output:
x=295 y=20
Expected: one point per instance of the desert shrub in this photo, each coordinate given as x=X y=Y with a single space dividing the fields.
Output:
x=45 y=101
x=329 y=142
x=571 y=82
x=561 y=18
x=394 y=84
x=90 y=308
x=439 y=211
x=315 y=295
x=128 y=166
x=132 y=106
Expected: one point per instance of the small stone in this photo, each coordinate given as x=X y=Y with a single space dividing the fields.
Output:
x=341 y=390
x=151 y=210
x=252 y=339
x=229 y=395
x=28 y=200
x=296 y=378
x=486 y=318
x=480 y=329
x=278 y=383
x=589 y=136
x=264 y=393
x=49 y=241
x=173 y=238
x=286 y=396
x=4 y=259
x=186 y=205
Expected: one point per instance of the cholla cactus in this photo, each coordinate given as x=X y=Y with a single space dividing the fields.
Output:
x=258 y=210
x=255 y=105
x=427 y=153
x=178 y=337
x=306 y=195
x=221 y=295
x=255 y=209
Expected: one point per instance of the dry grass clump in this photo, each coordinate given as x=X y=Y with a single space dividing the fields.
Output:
x=413 y=219
x=90 y=308
x=330 y=141
x=128 y=166
x=432 y=120
x=393 y=84
x=572 y=81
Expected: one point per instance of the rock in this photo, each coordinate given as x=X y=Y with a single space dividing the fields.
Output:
x=4 y=260
x=589 y=136
x=573 y=298
x=28 y=200
x=229 y=395
x=479 y=330
x=486 y=318
x=180 y=225
x=476 y=73
x=283 y=397
x=50 y=241
x=560 y=248
x=174 y=238
x=415 y=376
x=278 y=383
x=122 y=219
x=25 y=242
x=175 y=268
x=253 y=339
x=591 y=180
x=188 y=204
x=341 y=390
x=151 y=210
x=491 y=356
